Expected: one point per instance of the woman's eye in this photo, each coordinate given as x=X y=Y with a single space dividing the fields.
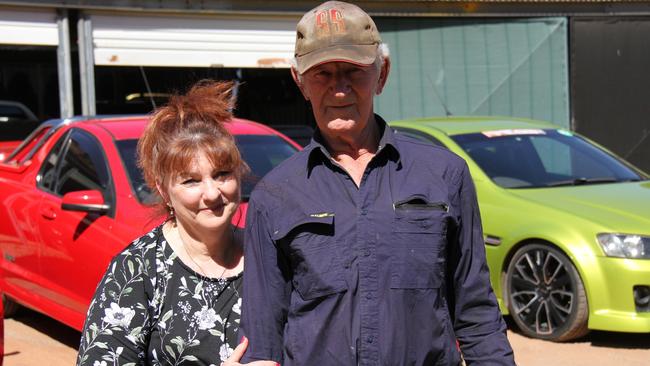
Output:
x=187 y=181
x=222 y=175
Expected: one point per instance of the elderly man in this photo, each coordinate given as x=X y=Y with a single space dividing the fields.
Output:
x=366 y=247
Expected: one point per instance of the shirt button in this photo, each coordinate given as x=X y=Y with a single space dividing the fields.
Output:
x=369 y=339
x=366 y=253
x=368 y=295
x=364 y=212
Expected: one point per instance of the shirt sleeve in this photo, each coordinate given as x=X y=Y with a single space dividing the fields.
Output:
x=266 y=291
x=478 y=323
x=117 y=322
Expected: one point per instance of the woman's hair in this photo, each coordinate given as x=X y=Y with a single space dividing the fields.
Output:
x=188 y=125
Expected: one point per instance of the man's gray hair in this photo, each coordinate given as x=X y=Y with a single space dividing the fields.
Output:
x=383 y=53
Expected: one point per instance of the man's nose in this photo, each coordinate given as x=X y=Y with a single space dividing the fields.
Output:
x=341 y=84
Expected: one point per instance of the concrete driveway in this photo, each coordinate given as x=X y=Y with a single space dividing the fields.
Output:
x=33 y=339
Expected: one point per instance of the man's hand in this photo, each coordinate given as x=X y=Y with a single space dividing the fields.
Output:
x=237 y=354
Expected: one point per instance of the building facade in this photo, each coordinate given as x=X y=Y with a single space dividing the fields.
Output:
x=579 y=64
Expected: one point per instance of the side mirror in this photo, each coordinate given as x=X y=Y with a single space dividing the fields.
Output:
x=86 y=201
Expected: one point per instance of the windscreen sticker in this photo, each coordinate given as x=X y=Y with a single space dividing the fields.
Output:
x=564 y=132
x=513 y=132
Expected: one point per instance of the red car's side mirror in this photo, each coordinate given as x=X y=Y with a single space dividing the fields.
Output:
x=86 y=201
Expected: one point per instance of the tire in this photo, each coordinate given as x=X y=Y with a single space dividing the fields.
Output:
x=10 y=307
x=545 y=295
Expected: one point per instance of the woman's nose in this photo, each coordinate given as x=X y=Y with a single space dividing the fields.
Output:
x=211 y=190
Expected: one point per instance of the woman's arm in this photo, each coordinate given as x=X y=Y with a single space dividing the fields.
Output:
x=118 y=320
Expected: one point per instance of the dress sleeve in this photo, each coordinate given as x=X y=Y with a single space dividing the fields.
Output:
x=477 y=320
x=118 y=321
x=266 y=290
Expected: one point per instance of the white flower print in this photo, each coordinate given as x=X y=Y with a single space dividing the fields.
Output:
x=133 y=339
x=117 y=316
x=185 y=309
x=206 y=318
x=160 y=266
x=237 y=307
x=194 y=317
x=225 y=351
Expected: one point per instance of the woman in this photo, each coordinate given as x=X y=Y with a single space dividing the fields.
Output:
x=172 y=297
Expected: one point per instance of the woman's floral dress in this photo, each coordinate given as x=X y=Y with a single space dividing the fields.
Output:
x=151 y=309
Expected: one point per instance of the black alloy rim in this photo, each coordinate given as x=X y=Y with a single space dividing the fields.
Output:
x=541 y=291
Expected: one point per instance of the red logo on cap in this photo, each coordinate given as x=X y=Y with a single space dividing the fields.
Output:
x=333 y=17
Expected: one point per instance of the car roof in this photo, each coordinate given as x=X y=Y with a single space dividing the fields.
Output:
x=457 y=125
x=131 y=127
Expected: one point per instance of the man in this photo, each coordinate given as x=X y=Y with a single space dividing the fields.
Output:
x=366 y=247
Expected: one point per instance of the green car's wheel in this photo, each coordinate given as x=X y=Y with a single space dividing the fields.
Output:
x=546 y=297
x=10 y=306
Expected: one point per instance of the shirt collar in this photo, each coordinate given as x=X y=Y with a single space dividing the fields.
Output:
x=317 y=152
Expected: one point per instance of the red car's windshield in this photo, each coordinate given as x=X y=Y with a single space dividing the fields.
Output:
x=261 y=152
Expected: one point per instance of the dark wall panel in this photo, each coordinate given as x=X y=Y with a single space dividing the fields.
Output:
x=610 y=84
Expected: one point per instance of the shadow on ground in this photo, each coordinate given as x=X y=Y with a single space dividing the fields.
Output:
x=48 y=326
x=601 y=338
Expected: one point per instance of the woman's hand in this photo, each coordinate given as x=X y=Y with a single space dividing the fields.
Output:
x=237 y=354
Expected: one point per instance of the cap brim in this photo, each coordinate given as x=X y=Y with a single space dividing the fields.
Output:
x=356 y=54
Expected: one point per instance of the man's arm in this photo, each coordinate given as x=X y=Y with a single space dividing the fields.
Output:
x=266 y=290
x=478 y=322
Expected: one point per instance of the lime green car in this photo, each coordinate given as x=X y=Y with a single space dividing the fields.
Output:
x=566 y=223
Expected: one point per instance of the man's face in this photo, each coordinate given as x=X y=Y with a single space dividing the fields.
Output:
x=341 y=94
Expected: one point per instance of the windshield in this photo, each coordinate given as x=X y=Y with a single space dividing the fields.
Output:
x=261 y=152
x=542 y=158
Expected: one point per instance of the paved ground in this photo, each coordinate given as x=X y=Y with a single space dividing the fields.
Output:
x=33 y=339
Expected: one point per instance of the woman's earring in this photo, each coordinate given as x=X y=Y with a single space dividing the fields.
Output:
x=171 y=210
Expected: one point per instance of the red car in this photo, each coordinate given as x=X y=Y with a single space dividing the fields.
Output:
x=71 y=197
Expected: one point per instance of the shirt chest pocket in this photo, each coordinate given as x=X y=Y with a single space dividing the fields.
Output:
x=313 y=252
x=419 y=240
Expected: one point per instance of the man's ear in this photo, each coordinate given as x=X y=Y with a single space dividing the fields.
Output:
x=296 y=78
x=383 y=75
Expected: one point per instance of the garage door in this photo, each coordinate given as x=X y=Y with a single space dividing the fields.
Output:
x=32 y=27
x=205 y=41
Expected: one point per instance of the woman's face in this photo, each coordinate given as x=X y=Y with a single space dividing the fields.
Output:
x=204 y=197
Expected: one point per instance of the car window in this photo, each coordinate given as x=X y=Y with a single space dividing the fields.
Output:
x=10 y=111
x=46 y=177
x=543 y=158
x=76 y=163
x=83 y=166
x=128 y=152
x=261 y=152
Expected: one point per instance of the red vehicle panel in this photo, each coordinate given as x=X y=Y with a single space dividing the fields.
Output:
x=71 y=198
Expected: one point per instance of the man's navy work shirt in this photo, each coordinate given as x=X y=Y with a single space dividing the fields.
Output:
x=392 y=272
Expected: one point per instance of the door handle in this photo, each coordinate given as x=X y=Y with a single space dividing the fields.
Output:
x=48 y=213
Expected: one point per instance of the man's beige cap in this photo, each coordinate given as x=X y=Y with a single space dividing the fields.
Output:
x=335 y=31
